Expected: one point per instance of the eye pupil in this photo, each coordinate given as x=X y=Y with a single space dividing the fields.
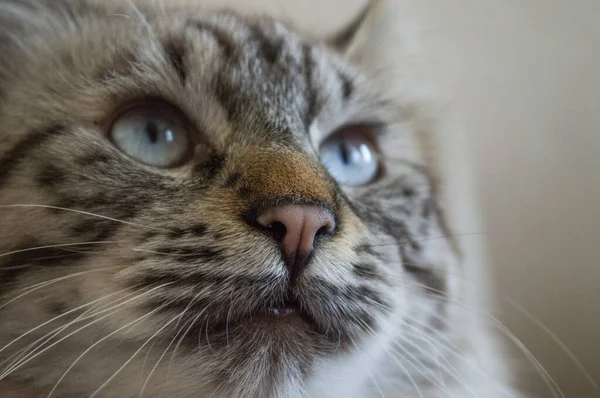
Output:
x=345 y=153
x=152 y=132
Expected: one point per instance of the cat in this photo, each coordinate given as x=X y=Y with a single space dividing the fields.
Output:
x=196 y=203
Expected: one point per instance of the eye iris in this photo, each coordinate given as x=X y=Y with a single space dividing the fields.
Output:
x=365 y=153
x=152 y=135
x=350 y=157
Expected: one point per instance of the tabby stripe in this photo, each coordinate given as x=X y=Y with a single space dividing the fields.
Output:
x=269 y=50
x=225 y=42
x=19 y=263
x=202 y=279
x=431 y=281
x=13 y=158
x=187 y=254
x=209 y=169
x=366 y=271
x=352 y=293
x=311 y=93
x=347 y=86
x=196 y=230
x=232 y=180
x=176 y=55
x=228 y=96
x=99 y=229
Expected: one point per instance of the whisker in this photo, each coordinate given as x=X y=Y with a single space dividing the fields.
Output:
x=525 y=312
x=99 y=342
x=227 y=321
x=31 y=357
x=53 y=281
x=183 y=336
x=30 y=265
x=55 y=246
x=85 y=213
x=448 y=367
x=550 y=382
x=495 y=322
x=406 y=372
x=192 y=301
x=88 y=314
x=145 y=380
x=367 y=368
x=556 y=339
x=95 y=393
x=18 y=356
x=56 y=318
x=413 y=361
x=137 y=249
x=394 y=242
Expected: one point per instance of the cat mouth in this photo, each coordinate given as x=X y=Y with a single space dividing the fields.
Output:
x=288 y=313
x=280 y=313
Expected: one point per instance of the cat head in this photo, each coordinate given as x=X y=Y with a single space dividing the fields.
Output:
x=213 y=181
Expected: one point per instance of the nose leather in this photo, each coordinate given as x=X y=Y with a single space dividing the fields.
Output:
x=300 y=225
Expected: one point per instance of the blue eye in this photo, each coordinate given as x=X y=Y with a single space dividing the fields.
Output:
x=154 y=135
x=350 y=156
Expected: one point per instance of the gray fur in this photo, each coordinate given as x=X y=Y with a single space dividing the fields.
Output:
x=261 y=98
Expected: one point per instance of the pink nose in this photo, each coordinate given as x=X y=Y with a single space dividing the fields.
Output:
x=295 y=227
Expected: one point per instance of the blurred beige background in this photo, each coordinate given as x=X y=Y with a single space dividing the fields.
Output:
x=520 y=153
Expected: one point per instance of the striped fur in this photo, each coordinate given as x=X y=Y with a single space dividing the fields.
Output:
x=170 y=248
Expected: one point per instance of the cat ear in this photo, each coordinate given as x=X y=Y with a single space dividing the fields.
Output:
x=365 y=31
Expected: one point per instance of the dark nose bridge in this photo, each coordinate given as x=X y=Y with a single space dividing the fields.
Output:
x=295 y=228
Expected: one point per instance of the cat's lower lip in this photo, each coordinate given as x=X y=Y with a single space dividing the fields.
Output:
x=278 y=312
x=282 y=311
x=286 y=313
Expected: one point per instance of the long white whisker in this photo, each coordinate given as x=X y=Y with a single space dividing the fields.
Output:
x=30 y=357
x=85 y=213
x=95 y=393
x=137 y=249
x=58 y=317
x=99 y=342
x=30 y=265
x=367 y=368
x=541 y=370
x=53 y=281
x=183 y=336
x=448 y=367
x=55 y=246
x=414 y=361
x=36 y=345
x=406 y=372
x=557 y=340
x=170 y=344
x=550 y=382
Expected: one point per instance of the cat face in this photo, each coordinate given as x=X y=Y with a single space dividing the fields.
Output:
x=214 y=193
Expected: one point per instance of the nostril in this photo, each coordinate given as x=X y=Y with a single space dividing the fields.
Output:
x=325 y=230
x=277 y=230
